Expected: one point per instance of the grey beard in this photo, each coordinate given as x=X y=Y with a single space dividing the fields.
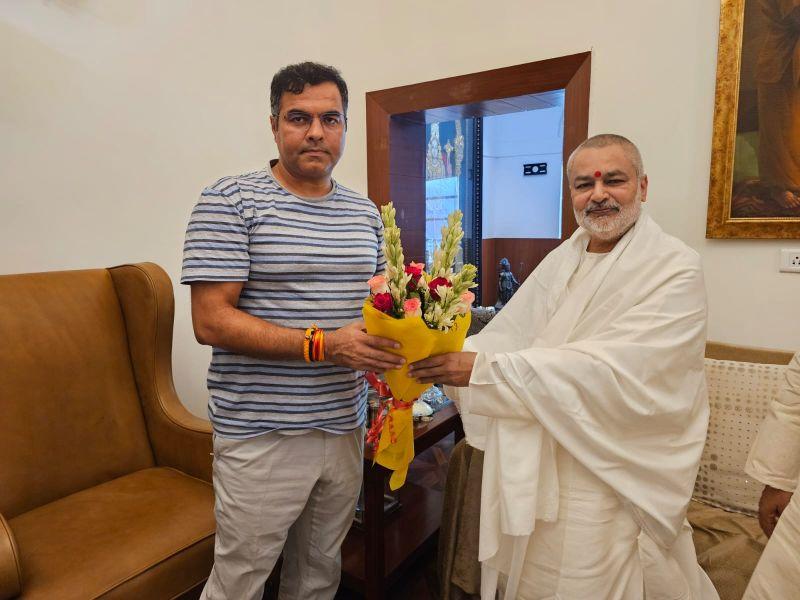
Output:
x=613 y=227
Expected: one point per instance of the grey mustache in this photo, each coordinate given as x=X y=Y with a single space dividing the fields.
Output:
x=602 y=206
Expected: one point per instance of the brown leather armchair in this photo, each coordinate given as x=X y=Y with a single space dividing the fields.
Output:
x=104 y=475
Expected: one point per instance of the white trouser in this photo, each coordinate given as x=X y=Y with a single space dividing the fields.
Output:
x=591 y=551
x=596 y=550
x=272 y=489
x=777 y=574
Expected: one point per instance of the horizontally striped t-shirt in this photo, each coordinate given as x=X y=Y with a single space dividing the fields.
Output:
x=303 y=261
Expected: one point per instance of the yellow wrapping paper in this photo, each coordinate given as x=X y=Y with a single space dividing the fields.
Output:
x=417 y=341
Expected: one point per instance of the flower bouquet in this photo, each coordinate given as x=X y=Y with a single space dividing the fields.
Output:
x=429 y=314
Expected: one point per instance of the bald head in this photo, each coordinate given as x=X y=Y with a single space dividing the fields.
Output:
x=609 y=139
x=607 y=185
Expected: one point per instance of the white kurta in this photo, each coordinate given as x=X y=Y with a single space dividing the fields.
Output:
x=590 y=404
x=775 y=461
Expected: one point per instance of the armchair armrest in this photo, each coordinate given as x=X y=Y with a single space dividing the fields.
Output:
x=178 y=438
x=10 y=570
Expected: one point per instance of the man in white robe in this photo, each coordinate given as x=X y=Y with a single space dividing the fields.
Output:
x=587 y=394
x=775 y=461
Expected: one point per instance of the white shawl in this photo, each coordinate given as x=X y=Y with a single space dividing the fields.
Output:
x=613 y=372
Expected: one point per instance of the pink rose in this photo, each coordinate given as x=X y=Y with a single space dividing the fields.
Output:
x=467 y=298
x=378 y=285
x=412 y=307
x=383 y=302
x=415 y=270
x=435 y=283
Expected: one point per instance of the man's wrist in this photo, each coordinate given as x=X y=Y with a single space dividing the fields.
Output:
x=331 y=346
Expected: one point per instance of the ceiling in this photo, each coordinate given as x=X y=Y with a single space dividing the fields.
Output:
x=488 y=108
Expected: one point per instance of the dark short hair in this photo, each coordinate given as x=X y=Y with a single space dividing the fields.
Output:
x=294 y=79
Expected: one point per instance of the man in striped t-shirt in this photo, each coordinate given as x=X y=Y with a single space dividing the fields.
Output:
x=268 y=254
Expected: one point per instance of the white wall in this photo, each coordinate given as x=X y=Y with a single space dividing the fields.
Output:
x=515 y=205
x=114 y=115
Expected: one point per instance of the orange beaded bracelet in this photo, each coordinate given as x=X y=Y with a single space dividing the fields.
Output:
x=307 y=342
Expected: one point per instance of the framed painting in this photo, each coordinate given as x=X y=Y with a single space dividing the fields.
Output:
x=754 y=190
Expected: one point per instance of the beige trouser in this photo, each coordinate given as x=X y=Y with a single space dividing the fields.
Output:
x=271 y=490
x=777 y=574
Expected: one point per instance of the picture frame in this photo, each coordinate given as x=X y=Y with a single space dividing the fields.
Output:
x=754 y=189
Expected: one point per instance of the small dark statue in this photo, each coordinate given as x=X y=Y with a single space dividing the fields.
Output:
x=507 y=284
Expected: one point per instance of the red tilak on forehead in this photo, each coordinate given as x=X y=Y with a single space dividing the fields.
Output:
x=598 y=174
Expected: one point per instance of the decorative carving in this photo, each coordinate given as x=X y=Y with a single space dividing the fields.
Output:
x=448 y=147
x=507 y=284
x=459 y=144
x=434 y=165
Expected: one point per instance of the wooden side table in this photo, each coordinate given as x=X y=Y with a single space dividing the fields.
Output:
x=373 y=557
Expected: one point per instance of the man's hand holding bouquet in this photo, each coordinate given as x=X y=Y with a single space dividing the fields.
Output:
x=429 y=314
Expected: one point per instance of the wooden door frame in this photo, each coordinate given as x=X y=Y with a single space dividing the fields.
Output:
x=395 y=123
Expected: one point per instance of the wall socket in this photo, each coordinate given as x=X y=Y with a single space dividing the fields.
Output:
x=790 y=260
